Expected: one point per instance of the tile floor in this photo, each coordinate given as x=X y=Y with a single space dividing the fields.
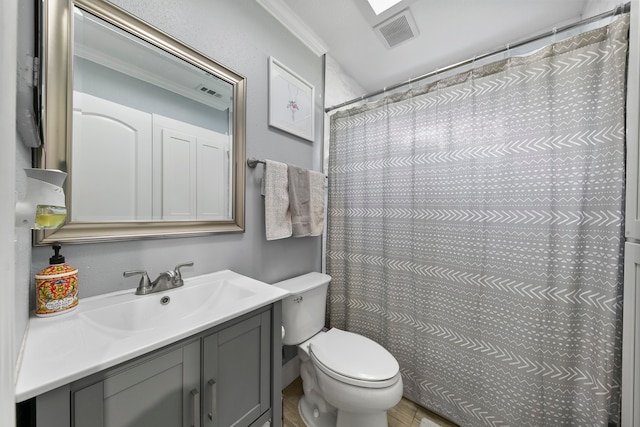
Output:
x=404 y=414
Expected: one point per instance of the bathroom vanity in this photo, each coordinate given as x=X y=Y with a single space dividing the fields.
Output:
x=211 y=359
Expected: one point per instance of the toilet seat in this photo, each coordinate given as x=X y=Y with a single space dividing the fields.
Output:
x=353 y=359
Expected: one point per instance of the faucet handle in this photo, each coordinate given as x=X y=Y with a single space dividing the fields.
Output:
x=177 y=280
x=144 y=287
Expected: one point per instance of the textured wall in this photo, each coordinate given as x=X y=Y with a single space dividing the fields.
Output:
x=22 y=248
x=241 y=35
x=341 y=87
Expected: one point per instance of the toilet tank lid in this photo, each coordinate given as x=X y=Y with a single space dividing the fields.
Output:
x=303 y=283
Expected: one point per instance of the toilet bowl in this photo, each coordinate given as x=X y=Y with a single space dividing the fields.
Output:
x=354 y=375
x=348 y=380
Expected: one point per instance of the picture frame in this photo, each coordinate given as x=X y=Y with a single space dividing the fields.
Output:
x=291 y=101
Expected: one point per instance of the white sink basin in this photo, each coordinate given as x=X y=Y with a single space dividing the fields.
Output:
x=163 y=309
x=110 y=329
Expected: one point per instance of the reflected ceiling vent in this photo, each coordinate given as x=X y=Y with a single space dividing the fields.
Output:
x=397 y=29
x=204 y=89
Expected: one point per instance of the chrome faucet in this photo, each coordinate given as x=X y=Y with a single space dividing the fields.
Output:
x=166 y=280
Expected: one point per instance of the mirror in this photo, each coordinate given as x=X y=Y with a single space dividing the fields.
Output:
x=150 y=131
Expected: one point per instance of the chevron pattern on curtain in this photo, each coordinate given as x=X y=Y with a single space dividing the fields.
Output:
x=475 y=230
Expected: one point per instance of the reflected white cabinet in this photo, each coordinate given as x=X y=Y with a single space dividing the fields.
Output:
x=191 y=169
x=134 y=165
x=177 y=185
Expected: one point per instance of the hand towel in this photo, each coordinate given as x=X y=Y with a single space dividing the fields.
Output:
x=316 y=190
x=276 y=201
x=299 y=201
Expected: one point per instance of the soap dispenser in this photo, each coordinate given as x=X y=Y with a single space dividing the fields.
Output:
x=56 y=287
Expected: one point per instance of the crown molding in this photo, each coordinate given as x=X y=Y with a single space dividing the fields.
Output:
x=292 y=22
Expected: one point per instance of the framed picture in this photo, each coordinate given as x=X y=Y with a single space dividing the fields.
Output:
x=290 y=101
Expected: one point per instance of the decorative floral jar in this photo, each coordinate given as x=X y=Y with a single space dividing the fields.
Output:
x=56 y=287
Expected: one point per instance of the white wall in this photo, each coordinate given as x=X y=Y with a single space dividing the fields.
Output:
x=8 y=31
x=242 y=36
x=340 y=87
x=596 y=7
x=22 y=255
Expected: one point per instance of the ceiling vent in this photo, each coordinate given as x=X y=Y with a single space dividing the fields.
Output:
x=204 y=89
x=397 y=29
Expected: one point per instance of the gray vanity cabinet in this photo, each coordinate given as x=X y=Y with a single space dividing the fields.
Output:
x=226 y=376
x=236 y=373
x=161 y=391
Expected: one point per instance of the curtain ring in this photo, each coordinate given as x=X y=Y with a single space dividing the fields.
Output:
x=508 y=55
x=473 y=66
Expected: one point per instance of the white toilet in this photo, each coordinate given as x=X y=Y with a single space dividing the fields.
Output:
x=348 y=380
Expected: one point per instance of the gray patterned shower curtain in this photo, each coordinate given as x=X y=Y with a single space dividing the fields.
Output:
x=475 y=230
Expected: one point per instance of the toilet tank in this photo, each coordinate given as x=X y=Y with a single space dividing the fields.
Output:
x=303 y=311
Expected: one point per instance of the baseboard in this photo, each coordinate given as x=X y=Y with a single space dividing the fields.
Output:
x=290 y=371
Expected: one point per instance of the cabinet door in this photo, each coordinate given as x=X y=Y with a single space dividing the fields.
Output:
x=178 y=175
x=191 y=171
x=212 y=177
x=631 y=337
x=162 y=391
x=236 y=373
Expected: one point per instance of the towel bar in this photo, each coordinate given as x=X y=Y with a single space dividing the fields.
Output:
x=253 y=162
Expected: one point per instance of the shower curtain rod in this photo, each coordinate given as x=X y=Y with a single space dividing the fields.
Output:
x=613 y=12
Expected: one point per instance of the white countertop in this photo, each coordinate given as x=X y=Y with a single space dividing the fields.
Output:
x=64 y=348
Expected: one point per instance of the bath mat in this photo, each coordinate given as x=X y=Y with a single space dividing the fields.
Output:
x=428 y=423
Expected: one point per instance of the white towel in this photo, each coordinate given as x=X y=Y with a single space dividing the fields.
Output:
x=316 y=189
x=277 y=217
x=299 y=203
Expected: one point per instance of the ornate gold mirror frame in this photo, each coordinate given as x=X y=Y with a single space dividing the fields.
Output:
x=56 y=123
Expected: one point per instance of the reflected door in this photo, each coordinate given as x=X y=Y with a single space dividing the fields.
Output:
x=111 y=154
